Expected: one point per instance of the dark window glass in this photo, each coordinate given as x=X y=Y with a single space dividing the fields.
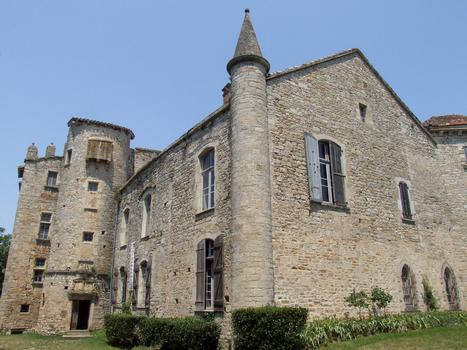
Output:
x=87 y=236
x=24 y=308
x=40 y=262
x=46 y=217
x=408 y=286
x=362 y=109
x=405 y=200
x=38 y=276
x=93 y=186
x=208 y=177
x=52 y=178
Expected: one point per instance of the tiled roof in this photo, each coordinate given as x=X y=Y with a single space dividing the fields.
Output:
x=76 y=120
x=446 y=121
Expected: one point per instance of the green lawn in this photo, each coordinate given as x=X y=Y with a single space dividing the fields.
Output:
x=431 y=339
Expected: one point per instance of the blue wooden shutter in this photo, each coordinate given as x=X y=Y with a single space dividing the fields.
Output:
x=338 y=179
x=314 y=177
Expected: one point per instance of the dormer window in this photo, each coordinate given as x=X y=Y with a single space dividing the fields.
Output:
x=99 y=150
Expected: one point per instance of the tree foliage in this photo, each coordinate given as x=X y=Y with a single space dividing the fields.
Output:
x=5 y=240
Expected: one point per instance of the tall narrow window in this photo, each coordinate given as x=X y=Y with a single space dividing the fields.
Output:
x=68 y=156
x=146 y=222
x=123 y=282
x=408 y=287
x=208 y=177
x=209 y=275
x=451 y=288
x=144 y=285
x=52 y=178
x=325 y=171
x=362 y=109
x=44 y=225
x=124 y=228
x=405 y=201
x=465 y=154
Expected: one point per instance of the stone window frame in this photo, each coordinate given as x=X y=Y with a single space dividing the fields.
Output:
x=44 y=223
x=411 y=219
x=87 y=234
x=28 y=307
x=91 y=183
x=147 y=211
x=124 y=226
x=312 y=152
x=198 y=180
x=68 y=156
x=368 y=118
x=143 y=284
x=38 y=276
x=49 y=182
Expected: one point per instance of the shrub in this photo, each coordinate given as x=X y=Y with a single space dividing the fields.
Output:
x=120 y=329
x=319 y=333
x=380 y=299
x=126 y=308
x=269 y=327
x=428 y=297
x=358 y=300
x=179 y=333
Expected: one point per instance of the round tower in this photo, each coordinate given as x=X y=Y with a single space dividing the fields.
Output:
x=252 y=267
x=76 y=284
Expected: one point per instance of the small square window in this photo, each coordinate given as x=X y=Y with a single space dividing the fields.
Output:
x=362 y=108
x=52 y=178
x=40 y=262
x=88 y=236
x=93 y=186
x=24 y=308
x=38 y=276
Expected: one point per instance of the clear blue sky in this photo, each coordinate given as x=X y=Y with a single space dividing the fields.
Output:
x=158 y=67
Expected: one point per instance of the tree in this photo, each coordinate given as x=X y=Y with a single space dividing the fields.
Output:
x=5 y=240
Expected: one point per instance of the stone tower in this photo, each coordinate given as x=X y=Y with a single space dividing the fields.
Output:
x=252 y=268
x=76 y=285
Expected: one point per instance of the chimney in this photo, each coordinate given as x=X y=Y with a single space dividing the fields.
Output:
x=226 y=93
x=50 y=151
x=32 y=152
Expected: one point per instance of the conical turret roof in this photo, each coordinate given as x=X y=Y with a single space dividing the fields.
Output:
x=247 y=46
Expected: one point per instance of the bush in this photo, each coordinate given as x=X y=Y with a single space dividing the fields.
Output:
x=380 y=299
x=120 y=329
x=179 y=333
x=269 y=327
x=319 y=333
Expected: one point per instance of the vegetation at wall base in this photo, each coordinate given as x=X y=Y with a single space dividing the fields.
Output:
x=322 y=332
x=268 y=328
x=180 y=333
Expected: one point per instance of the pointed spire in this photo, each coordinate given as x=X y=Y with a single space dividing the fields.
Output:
x=247 y=46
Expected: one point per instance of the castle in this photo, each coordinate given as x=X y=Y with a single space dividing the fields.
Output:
x=305 y=184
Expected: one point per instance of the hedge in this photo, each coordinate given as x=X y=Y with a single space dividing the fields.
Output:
x=120 y=329
x=322 y=332
x=192 y=333
x=179 y=333
x=268 y=328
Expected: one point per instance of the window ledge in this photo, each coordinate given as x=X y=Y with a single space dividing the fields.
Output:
x=123 y=247
x=331 y=206
x=51 y=188
x=204 y=214
x=408 y=221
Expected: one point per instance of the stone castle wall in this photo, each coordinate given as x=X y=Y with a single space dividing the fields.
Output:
x=34 y=198
x=322 y=252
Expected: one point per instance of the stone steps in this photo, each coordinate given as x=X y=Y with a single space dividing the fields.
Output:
x=77 y=334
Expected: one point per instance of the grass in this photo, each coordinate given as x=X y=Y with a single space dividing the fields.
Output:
x=451 y=338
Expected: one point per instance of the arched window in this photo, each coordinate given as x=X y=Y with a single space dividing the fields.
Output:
x=209 y=275
x=325 y=171
x=450 y=286
x=207 y=179
x=124 y=227
x=123 y=282
x=144 y=283
x=146 y=220
x=408 y=287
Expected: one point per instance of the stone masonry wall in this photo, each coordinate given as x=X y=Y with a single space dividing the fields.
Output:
x=79 y=210
x=322 y=252
x=177 y=221
x=34 y=198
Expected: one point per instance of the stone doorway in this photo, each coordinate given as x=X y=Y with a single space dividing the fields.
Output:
x=80 y=314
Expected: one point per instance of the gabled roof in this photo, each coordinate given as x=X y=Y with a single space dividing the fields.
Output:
x=444 y=121
x=359 y=53
x=76 y=120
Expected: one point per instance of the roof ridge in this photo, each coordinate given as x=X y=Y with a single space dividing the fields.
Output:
x=100 y=123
